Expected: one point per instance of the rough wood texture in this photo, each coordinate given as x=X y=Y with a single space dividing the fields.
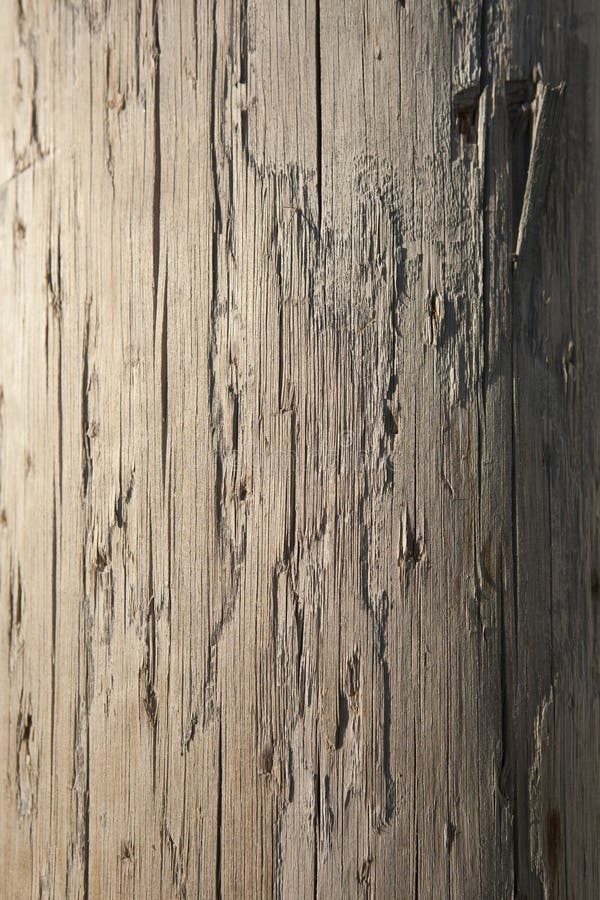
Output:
x=299 y=472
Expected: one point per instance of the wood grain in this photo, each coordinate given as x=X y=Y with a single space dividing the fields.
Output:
x=299 y=449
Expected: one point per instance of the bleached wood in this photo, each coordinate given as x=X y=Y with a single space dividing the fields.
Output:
x=299 y=456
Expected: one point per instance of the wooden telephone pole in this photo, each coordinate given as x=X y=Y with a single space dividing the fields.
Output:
x=299 y=449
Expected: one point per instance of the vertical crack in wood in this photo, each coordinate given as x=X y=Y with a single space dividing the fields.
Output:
x=508 y=750
x=551 y=585
x=85 y=637
x=510 y=770
x=319 y=111
x=316 y=825
x=137 y=30
x=243 y=78
x=485 y=87
x=219 y=823
x=415 y=814
x=55 y=594
x=196 y=44
x=212 y=374
x=157 y=163
x=504 y=775
x=149 y=697
x=86 y=448
x=164 y=379
x=213 y=123
x=59 y=387
x=87 y=847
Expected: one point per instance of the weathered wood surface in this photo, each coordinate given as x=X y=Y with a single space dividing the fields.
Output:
x=299 y=472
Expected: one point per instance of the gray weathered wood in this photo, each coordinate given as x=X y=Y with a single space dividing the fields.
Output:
x=299 y=453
